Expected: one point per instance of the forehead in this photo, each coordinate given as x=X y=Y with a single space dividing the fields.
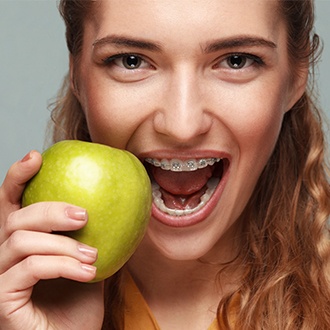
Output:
x=210 y=16
x=186 y=25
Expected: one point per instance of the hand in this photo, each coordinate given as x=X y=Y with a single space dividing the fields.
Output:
x=39 y=270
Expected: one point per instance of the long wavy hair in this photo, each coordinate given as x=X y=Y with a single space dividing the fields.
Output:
x=285 y=257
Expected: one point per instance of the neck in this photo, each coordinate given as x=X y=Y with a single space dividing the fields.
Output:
x=184 y=290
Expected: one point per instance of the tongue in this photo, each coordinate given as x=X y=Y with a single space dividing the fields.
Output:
x=181 y=190
x=182 y=202
x=182 y=183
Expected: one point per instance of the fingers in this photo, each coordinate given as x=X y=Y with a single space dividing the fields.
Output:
x=28 y=272
x=17 y=176
x=44 y=217
x=27 y=257
x=29 y=249
x=21 y=244
x=27 y=232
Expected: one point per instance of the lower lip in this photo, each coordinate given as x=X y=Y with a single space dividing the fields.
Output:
x=194 y=218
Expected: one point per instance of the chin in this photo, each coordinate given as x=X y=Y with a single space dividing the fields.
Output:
x=185 y=244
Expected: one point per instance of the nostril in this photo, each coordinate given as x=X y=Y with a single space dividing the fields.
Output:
x=181 y=127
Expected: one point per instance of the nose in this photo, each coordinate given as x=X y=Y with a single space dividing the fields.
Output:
x=182 y=114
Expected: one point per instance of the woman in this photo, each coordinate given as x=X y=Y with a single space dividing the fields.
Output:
x=239 y=242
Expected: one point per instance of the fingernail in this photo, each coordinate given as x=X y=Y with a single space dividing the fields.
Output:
x=88 y=251
x=88 y=268
x=76 y=213
x=26 y=157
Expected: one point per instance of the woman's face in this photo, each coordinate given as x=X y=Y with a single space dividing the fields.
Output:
x=197 y=90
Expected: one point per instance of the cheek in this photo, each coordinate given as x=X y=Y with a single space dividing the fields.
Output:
x=111 y=116
x=255 y=121
x=257 y=144
x=255 y=124
x=255 y=129
x=259 y=130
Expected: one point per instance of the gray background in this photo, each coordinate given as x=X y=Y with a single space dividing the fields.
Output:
x=34 y=60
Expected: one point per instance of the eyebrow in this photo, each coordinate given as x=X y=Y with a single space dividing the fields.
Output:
x=240 y=41
x=127 y=42
x=211 y=47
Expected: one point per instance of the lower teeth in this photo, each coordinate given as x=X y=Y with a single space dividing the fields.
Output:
x=158 y=201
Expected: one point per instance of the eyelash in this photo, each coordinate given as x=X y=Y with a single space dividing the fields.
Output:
x=110 y=60
x=257 y=60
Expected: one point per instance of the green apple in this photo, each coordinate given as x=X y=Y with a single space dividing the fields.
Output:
x=111 y=184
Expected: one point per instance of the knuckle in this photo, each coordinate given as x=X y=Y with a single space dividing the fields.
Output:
x=51 y=216
x=10 y=223
x=15 y=242
x=7 y=215
x=30 y=262
x=47 y=211
x=12 y=171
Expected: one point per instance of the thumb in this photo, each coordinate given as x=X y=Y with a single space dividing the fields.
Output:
x=18 y=175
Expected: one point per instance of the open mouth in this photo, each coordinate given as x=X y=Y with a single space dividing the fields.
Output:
x=184 y=187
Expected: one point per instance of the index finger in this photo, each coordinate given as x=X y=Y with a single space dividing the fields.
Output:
x=17 y=177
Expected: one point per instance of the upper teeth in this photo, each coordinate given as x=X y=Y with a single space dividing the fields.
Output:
x=177 y=165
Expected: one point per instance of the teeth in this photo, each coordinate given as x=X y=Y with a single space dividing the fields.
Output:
x=177 y=165
x=158 y=201
x=164 y=164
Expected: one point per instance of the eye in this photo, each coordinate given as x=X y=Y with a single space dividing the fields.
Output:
x=128 y=67
x=131 y=61
x=237 y=61
x=127 y=61
x=240 y=61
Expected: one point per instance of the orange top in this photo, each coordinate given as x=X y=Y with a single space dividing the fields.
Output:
x=138 y=315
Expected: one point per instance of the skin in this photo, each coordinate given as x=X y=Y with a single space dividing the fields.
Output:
x=183 y=101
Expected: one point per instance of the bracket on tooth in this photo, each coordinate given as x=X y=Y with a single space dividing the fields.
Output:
x=177 y=165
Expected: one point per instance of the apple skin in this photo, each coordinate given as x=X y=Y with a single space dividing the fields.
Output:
x=111 y=184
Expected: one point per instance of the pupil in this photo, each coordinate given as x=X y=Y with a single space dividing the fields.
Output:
x=237 y=61
x=131 y=62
